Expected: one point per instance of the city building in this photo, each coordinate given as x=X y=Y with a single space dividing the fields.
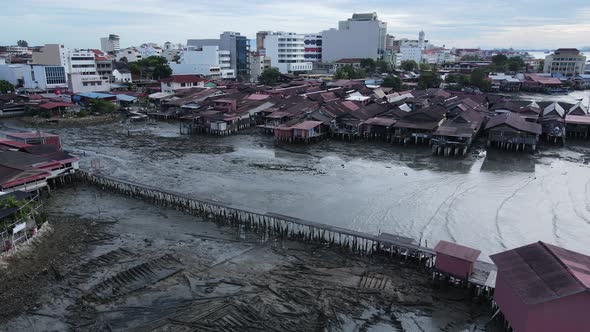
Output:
x=131 y=54
x=286 y=51
x=104 y=65
x=238 y=47
x=51 y=55
x=260 y=35
x=258 y=63
x=389 y=41
x=79 y=82
x=565 y=61
x=207 y=60
x=181 y=82
x=44 y=78
x=411 y=49
x=437 y=56
x=13 y=73
x=110 y=44
x=362 y=36
x=541 y=287
x=313 y=47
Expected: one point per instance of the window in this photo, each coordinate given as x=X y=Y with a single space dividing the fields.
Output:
x=182 y=84
x=85 y=84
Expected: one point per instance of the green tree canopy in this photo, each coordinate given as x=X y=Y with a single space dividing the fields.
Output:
x=22 y=43
x=479 y=78
x=425 y=67
x=409 y=65
x=6 y=87
x=349 y=72
x=383 y=66
x=102 y=106
x=269 y=76
x=368 y=65
x=429 y=79
x=516 y=64
x=393 y=82
x=154 y=67
x=541 y=66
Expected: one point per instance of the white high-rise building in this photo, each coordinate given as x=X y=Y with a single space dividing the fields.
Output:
x=207 y=60
x=565 y=61
x=362 y=36
x=110 y=44
x=286 y=51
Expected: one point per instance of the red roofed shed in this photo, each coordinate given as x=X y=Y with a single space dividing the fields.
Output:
x=455 y=259
x=543 y=288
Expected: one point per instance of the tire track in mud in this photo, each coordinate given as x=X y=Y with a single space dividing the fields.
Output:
x=504 y=201
x=449 y=209
x=438 y=209
x=575 y=206
x=553 y=210
x=587 y=195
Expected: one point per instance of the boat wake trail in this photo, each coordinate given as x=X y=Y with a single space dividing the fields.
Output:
x=448 y=218
x=438 y=209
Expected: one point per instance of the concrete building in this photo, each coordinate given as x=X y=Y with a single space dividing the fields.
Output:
x=181 y=82
x=565 y=61
x=437 y=56
x=258 y=63
x=45 y=78
x=207 y=60
x=79 y=82
x=13 y=73
x=389 y=40
x=238 y=47
x=313 y=47
x=286 y=51
x=51 y=55
x=149 y=49
x=260 y=35
x=362 y=36
x=411 y=49
x=122 y=76
x=132 y=54
x=110 y=44
x=104 y=65
x=543 y=288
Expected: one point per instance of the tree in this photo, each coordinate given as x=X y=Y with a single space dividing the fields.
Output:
x=22 y=43
x=383 y=66
x=269 y=76
x=499 y=61
x=541 y=67
x=6 y=87
x=409 y=65
x=515 y=64
x=349 y=72
x=429 y=79
x=425 y=67
x=102 y=106
x=154 y=67
x=368 y=65
x=479 y=79
x=393 y=82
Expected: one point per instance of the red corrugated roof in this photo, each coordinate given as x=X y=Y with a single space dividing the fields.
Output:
x=52 y=105
x=540 y=272
x=457 y=251
x=14 y=144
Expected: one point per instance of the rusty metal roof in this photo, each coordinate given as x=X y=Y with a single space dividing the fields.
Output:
x=541 y=272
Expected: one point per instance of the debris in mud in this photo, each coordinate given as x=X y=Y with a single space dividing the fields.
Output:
x=282 y=167
x=47 y=259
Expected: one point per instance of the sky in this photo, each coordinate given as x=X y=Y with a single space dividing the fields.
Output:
x=526 y=24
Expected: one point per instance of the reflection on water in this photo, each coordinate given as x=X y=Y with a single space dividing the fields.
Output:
x=502 y=161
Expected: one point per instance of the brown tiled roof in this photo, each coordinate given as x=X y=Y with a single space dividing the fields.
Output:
x=307 y=125
x=378 y=121
x=540 y=272
x=515 y=121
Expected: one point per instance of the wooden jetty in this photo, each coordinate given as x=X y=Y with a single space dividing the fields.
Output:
x=278 y=225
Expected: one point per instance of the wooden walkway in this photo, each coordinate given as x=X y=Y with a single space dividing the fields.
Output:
x=285 y=226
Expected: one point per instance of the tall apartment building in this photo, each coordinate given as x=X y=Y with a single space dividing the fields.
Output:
x=313 y=47
x=207 y=60
x=104 y=65
x=565 y=61
x=258 y=63
x=51 y=55
x=286 y=51
x=362 y=36
x=260 y=35
x=238 y=47
x=412 y=49
x=110 y=44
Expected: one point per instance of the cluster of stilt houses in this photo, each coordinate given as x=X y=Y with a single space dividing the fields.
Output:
x=307 y=111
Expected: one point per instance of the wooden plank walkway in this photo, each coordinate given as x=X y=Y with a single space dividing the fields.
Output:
x=285 y=226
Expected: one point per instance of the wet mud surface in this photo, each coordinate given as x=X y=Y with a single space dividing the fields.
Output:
x=152 y=269
x=491 y=200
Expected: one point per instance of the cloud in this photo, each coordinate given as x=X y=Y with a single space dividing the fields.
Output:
x=501 y=23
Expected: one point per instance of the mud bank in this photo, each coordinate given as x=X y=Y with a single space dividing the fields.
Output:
x=161 y=270
x=491 y=201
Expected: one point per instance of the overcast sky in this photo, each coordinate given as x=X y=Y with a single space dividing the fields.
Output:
x=459 y=23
